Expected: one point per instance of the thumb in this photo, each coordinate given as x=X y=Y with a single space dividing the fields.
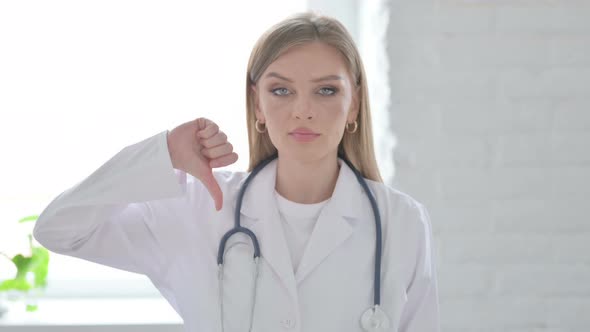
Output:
x=214 y=190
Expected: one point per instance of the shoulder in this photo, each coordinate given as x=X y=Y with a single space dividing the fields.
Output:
x=197 y=194
x=407 y=229
x=402 y=214
x=229 y=179
x=225 y=178
x=394 y=199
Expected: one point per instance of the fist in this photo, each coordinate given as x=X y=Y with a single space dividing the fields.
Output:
x=198 y=146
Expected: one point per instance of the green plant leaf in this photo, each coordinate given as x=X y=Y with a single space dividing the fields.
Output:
x=39 y=266
x=29 y=218
x=19 y=284
x=22 y=265
x=32 y=307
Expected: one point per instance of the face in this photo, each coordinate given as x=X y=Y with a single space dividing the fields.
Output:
x=307 y=89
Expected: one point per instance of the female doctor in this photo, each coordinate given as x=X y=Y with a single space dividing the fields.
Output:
x=300 y=242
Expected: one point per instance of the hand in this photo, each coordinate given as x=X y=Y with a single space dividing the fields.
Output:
x=196 y=147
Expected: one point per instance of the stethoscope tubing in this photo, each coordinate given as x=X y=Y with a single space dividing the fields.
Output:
x=240 y=229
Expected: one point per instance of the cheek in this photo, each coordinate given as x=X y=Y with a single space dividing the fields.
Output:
x=275 y=113
x=271 y=107
x=335 y=106
x=336 y=119
x=336 y=112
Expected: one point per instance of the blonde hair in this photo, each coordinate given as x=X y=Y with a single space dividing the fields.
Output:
x=299 y=29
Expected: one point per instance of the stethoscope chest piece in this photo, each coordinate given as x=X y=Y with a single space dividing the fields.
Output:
x=374 y=319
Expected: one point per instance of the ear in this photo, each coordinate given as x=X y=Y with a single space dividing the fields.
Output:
x=354 y=105
x=257 y=111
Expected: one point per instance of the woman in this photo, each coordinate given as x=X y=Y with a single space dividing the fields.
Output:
x=158 y=208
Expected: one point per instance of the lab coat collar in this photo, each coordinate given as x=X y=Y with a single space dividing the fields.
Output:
x=334 y=225
x=345 y=200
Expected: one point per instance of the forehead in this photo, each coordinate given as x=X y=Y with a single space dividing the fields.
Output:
x=310 y=60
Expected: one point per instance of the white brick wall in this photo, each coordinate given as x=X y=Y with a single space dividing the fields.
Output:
x=491 y=109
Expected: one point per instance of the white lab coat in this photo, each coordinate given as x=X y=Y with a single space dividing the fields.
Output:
x=137 y=213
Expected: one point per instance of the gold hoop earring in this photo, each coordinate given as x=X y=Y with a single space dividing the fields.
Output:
x=258 y=129
x=355 y=127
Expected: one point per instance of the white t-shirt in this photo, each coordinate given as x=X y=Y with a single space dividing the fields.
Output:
x=298 y=221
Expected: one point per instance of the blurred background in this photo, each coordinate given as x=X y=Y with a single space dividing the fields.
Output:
x=481 y=111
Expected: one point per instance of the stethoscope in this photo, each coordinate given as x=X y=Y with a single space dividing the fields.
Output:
x=373 y=319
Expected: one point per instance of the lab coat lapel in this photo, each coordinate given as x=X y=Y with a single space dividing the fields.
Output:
x=336 y=222
x=259 y=203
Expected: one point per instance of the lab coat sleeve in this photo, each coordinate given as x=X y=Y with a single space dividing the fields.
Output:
x=421 y=312
x=107 y=218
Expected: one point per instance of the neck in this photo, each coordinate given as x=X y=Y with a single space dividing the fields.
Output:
x=306 y=182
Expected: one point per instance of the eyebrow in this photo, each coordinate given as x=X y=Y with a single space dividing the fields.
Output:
x=325 y=78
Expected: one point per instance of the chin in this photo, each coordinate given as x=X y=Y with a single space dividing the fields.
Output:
x=305 y=154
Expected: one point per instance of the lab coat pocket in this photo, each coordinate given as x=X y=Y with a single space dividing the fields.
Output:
x=402 y=299
x=237 y=288
x=393 y=303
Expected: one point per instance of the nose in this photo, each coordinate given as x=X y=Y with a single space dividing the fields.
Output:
x=303 y=109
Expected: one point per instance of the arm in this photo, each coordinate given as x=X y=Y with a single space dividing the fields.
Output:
x=421 y=312
x=106 y=218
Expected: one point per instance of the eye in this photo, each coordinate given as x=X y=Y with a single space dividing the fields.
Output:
x=281 y=93
x=330 y=91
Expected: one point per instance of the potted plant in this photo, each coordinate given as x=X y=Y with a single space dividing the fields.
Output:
x=29 y=264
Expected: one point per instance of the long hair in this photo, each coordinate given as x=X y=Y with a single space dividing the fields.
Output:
x=299 y=29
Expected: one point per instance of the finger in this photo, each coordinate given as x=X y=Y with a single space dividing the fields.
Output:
x=217 y=151
x=210 y=130
x=202 y=123
x=222 y=161
x=216 y=140
x=214 y=190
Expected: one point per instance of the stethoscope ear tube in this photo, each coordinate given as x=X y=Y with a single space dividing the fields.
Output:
x=232 y=232
x=237 y=227
x=378 y=239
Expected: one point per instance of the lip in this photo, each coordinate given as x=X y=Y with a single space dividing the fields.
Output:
x=303 y=131
x=303 y=134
